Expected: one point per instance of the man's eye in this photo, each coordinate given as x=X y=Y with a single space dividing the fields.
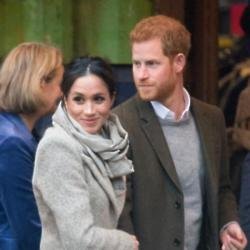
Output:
x=137 y=64
x=152 y=63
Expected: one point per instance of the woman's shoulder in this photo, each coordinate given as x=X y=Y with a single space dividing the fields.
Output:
x=55 y=137
x=14 y=131
x=9 y=125
x=11 y=138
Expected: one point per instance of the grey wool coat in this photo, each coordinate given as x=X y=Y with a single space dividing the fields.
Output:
x=79 y=186
x=155 y=204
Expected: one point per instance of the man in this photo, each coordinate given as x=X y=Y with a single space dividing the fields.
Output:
x=181 y=196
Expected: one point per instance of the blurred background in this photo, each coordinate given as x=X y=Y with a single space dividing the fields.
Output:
x=218 y=70
x=101 y=27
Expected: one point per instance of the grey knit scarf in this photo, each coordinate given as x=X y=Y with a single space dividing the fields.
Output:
x=107 y=150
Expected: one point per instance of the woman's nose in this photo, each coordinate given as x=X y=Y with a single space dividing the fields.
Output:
x=88 y=108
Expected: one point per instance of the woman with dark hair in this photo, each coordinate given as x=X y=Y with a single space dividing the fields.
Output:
x=81 y=165
x=30 y=79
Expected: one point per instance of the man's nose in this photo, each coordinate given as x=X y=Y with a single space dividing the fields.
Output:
x=143 y=72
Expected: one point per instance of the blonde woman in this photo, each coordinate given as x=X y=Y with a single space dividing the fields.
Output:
x=30 y=79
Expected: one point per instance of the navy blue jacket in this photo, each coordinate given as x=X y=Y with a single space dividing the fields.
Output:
x=20 y=227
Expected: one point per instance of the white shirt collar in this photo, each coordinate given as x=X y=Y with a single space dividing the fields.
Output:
x=166 y=114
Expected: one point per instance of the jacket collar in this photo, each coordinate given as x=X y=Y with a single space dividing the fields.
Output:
x=153 y=132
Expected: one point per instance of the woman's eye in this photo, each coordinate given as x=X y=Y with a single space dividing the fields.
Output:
x=99 y=99
x=78 y=99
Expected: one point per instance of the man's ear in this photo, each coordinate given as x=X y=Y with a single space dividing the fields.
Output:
x=179 y=62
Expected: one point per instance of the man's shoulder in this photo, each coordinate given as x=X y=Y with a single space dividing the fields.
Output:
x=128 y=112
x=198 y=104
x=128 y=106
x=129 y=102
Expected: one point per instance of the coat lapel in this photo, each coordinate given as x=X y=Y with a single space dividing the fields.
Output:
x=153 y=132
x=209 y=142
x=207 y=139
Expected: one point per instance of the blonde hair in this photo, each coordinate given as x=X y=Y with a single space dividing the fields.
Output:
x=174 y=36
x=21 y=75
